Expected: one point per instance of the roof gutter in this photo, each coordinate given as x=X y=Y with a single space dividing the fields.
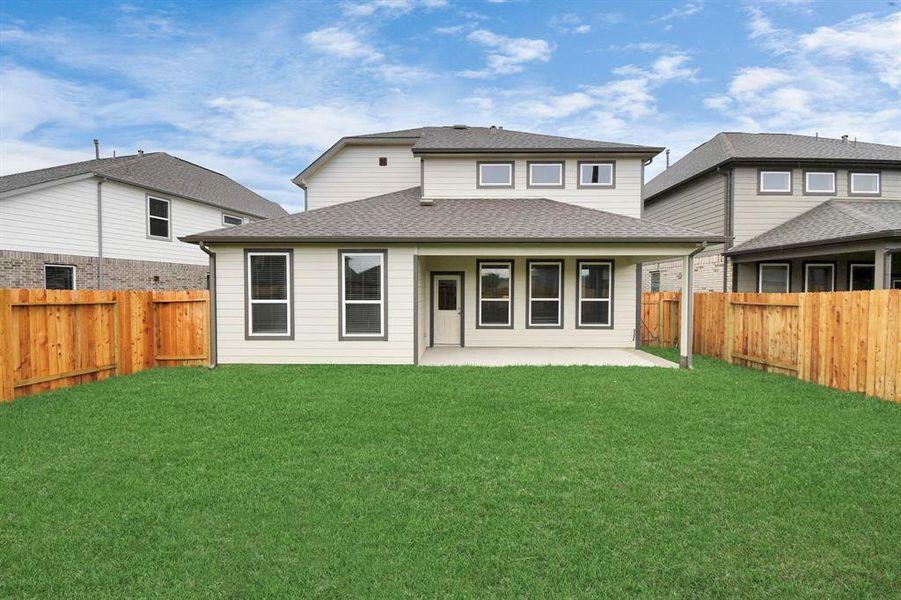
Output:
x=214 y=338
x=192 y=239
x=891 y=233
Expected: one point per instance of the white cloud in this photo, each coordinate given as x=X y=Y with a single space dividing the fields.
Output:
x=751 y=80
x=680 y=12
x=366 y=9
x=29 y=99
x=17 y=156
x=718 y=102
x=341 y=43
x=570 y=23
x=761 y=30
x=506 y=55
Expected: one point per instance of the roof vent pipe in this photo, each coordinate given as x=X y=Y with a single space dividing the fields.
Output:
x=140 y=153
x=96 y=148
x=844 y=138
x=667 y=158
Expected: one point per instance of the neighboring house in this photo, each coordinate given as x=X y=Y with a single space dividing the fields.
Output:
x=799 y=213
x=444 y=236
x=112 y=223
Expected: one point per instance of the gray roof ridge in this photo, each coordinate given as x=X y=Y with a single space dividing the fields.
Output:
x=730 y=148
x=104 y=169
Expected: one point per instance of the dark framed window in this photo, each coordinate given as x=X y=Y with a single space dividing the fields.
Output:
x=545 y=174
x=773 y=278
x=495 y=298
x=159 y=218
x=597 y=174
x=59 y=277
x=363 y=294
x=819 y=182
x=865 y=184
x=545 y=305
x=269 y=294
x=773 y=181
x=228 y=219
x=494 y=174
x=861 y=276
x=819 y=277
x=655 y=281
x=595 y=293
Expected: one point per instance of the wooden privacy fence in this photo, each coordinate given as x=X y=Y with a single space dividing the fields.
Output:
x=846 y=340
x=51 y=339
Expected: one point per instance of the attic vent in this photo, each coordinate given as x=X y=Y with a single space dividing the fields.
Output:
x=383 y=161
x=460 y=126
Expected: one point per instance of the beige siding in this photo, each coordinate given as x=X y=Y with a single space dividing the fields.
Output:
x=698 y=205
x=60 y=219
x=354 y=173
x=756 y=213
x=315 y=311
x=621 y=336
x=456 y=178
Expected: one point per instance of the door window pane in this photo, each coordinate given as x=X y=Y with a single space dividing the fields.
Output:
x=447 y=294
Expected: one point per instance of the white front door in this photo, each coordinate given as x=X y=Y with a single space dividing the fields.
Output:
x=446 y=310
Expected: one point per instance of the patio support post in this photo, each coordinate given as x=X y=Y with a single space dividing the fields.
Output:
x=883 y=269
x=685 y=313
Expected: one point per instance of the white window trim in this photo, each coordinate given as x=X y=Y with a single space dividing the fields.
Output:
x=380 y=301
x=609 y=165
x=167 y=218
x=878 y=177
x=74 y=273
x=224 y=215
x=871 y=266
x=807 y=189
x=509 y=299
x=608 y=299
x=507 y=184
x=784 y=265
x=251 y=301
x=807 y=272
x=558 y=299
x=555 y=184
x=785 y=190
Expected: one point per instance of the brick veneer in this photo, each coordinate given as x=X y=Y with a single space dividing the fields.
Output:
x=26 y=270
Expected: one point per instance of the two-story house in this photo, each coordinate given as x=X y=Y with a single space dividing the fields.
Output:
x=427 y=241
x=799 y=213
x=113 y=223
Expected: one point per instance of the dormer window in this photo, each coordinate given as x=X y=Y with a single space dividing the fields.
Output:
x=495 y=175
x=545 y=174
x=596 y=174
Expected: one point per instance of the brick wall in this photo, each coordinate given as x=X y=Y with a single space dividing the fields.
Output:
x=26 y=270
x=708 y=274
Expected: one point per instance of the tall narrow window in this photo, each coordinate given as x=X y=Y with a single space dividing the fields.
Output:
x=595 y=293
x=363 y=294
x=158 y=218
x=861 y=276
x=596 y=174
x=268 y=294
x=819 y=277
x=775 y=182
x=59 y=277
x=545 y=293
x=773 y=278
x=655 y=281
x=495 y=293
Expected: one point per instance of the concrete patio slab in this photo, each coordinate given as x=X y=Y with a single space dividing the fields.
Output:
x=504 y=357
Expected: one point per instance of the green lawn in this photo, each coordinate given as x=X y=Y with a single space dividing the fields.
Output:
x=403 y=481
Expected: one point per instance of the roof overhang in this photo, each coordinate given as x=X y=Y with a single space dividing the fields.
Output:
x=891 y=234
x=195 y=239
x=648 y=152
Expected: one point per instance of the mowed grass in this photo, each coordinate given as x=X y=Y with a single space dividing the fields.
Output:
x=352 y=481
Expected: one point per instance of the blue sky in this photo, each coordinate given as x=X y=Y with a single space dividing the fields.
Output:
x=256 y=90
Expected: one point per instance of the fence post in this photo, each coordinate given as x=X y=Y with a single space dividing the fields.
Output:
x=7 y=369
x=730 y=327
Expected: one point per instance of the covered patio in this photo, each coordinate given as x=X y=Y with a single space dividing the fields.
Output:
x=445 y=356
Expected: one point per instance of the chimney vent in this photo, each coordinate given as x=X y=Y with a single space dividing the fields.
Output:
x=140 y=153
x=96 y=148
x=667 y=158
x=844 y=138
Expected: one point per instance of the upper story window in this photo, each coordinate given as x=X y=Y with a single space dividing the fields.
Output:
x=495 y=175
x=158 y=218
x=231 y=219
x=546 y=174
x=775 y=182
x=59 y=277
x=363 y=294
x=269 y=294
x=865 y=184
x=819 y=182
x=596 y=174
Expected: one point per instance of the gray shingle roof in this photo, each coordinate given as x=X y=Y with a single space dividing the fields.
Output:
x=761 y=147
x=399 y=217
x=459 y=139
x=834 y=221
x=160 y=172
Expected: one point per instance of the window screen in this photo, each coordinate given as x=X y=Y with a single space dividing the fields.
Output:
x=819 y=278
x=865 y=183
x=596 y=174
x=594 y=293
x=363 y=294
x=550 y=174
x=774 y=279
x=232 y=220
x=495 y=285
x=158 y=217
x=655 y=281
x=59 y=277
x=775 y=181
x=819 y=182
x=268 y=293
x=863 y=277
x=545 y=289
x=496 y=174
